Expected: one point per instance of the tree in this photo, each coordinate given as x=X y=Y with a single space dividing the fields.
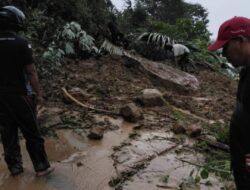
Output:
x=164 y=10
x=139 y=15
x=196 y=12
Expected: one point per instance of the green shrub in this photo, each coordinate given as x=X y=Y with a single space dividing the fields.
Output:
x=71 y=41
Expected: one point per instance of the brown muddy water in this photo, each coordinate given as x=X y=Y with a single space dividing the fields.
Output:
x=80 y=164
x=166 y=170
x=83 y=164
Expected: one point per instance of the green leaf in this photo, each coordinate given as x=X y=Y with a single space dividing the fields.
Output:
x=111 y=48
x=68 y=34
x=69 y=48
x=208 y=183
x=197 y=179
x=165 y=179
x=204 y=174
x=156 y=38
x=75 y=27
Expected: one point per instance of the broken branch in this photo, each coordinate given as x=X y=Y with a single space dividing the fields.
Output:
x=218 y=145
x=67 y=94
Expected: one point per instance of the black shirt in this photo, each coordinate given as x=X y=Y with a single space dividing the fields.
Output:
x=15 y=53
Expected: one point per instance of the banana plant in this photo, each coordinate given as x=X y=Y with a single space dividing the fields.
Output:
x=111 y=48
x=156 y=38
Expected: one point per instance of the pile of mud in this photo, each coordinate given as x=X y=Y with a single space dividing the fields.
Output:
x=109 y=83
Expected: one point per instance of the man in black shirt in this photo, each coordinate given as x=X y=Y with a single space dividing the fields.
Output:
x=234 y=38
x=18 y=80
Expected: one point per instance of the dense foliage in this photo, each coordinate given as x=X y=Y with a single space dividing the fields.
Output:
x=184 y=22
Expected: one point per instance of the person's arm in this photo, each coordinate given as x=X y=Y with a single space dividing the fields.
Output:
x=34 y=81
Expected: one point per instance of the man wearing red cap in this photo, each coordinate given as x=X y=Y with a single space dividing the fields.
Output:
x=234 y=38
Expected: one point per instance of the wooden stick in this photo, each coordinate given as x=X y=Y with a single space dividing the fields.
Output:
x=86 y=106
x=166 y=187
x=218 y=145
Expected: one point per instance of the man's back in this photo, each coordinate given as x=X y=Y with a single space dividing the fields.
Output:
x=15 y=53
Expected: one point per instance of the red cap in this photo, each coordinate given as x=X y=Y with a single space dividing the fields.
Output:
x=231 y=29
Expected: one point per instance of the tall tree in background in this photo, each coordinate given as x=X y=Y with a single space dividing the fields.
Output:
x=164 y=10
x=176 y=18
x=139 y=15
x=196 y=12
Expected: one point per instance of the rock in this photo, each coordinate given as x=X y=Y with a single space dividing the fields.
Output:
x=96 y=133
x=151 y=98
x=79 y=164
x=50 y=116
x=123 y=156
x=178 y=129
x=131 y=112
x=49 y=111
x=167 y=76
x=210 y=138
x=52 y=121
x=194 y=130
x=221 y=121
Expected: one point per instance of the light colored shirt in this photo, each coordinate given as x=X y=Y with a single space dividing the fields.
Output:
x=180 y=49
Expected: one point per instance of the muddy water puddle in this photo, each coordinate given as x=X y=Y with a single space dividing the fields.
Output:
x=163 y=164
x=83 y=164
x=80 y=164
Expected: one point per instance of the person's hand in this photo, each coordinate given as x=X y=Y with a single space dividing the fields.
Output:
x=247 y=159
x=39 y=102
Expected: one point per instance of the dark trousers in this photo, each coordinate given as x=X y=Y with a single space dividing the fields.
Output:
x=239 y=147
x=183 y=62
x=18 y=112
x=242 y=179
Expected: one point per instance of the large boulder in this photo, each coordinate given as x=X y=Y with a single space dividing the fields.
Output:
x=131 y=112
x=164 y=75
x=151 y=98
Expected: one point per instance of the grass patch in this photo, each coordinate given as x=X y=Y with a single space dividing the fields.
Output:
x=177 y=115
x=220 y=131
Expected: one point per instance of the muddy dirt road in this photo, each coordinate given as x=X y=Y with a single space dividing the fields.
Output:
x=146 y=154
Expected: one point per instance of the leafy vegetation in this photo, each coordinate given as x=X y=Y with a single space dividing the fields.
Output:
x=174 y=19
x=74 y=41
x=220 y=131
x=70 y=41
x=107 y=46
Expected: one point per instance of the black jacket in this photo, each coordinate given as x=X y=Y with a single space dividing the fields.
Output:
x=240 y=122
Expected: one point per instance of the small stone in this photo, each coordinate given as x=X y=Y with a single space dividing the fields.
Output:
x=178 y=129
x=221 y=121
x=53 y=121
x=50 y=116
x=194 y=130
x=96 y=133
x=79 y=164
x=131 y=112
x=210 y=138
x=151 y=98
